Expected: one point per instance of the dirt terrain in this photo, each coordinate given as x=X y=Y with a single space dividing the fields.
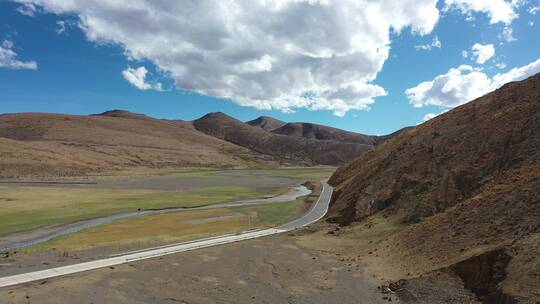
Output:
x=269 y=270
x=308 y=266
x=466 y=185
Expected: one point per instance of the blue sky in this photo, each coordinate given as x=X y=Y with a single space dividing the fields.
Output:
x=59 y=58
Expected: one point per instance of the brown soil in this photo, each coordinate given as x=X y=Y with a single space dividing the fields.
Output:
x=464 y=184
x=364 y=243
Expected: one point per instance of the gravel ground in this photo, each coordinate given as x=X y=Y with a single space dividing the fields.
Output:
x=267 y=270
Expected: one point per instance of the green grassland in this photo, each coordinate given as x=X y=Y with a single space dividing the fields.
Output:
x=198 y=173
x=174 y=227
x=26 y=208
x=313 y=173
x=273 y=215
x=304 y=173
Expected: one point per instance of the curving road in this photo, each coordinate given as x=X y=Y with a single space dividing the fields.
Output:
x=42 y=235
x=316 y=213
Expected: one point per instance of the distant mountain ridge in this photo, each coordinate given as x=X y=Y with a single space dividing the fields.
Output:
x=122 y=114
x=283 y=148
x=41 y=144
x=58 y=145
x=320 y=132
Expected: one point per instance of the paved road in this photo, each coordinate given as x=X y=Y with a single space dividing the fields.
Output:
x=42 y=235
x=316 y=213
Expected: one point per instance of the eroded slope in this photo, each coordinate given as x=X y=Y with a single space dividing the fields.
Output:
x=466 y=183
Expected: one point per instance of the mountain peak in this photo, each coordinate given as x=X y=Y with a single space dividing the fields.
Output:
x=122 y=114
x=266 y=123
x=217 y=115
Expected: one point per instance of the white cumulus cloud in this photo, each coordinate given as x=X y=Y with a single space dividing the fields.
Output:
x=435 y=43
x=516 y=74
x=507 y=34
x=27 y=9
x=463 y=84
x=482 y=52
x=8 y=58
x=451 y=89
x=137 y=77
x=498 y=10
x=268 y=54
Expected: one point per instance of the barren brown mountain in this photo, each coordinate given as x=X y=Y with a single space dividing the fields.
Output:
x=315 y=131
x=467 y=184
x=283 y=148
x=56 y=145
x=48 y=145
x=266 y=123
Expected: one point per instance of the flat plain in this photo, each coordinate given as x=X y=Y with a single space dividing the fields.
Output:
x=31 y=208
x=32 y=205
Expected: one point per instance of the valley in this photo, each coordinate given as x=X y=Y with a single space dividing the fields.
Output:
x=269 y=151
x=416 y=210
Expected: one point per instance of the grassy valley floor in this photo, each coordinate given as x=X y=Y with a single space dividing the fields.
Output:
x=155 y=230
x=27 y=206
x=46 y=204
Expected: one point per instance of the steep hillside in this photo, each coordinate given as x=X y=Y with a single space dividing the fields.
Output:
x=315 y=131
x=380 y=139
x=286 y=149
x=37 y=144
x=266 y=123
x=469 y=180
